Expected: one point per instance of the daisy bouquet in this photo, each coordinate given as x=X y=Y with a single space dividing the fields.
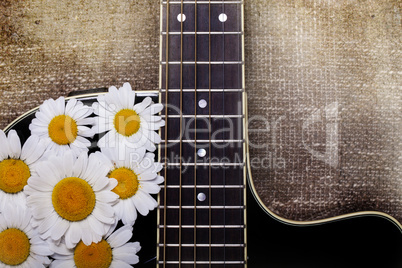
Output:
x=59 y=203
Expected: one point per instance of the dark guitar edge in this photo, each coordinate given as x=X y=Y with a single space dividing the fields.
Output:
x=275 y=216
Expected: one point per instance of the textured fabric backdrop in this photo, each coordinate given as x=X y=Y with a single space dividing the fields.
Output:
x=323 y=83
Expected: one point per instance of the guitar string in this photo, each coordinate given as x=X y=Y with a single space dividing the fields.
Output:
x=223 y=127
x=166 y=129
x=210 y=139
x=181 y=127
x=240 y=82
x=195 y=134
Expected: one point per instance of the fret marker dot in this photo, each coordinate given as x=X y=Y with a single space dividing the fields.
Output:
x=181 y=17
x=202 y=103
x=223 y=17
x=201 y=197
x=201 y=152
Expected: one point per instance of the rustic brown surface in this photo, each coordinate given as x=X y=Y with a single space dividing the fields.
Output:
x=323 y=82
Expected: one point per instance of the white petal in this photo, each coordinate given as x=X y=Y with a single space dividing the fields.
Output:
x=62 y=264
x=14 y=144
x=119 y=264
x=67 y=165
x=41 y=249
x=148 y=199
x=102 y=213
x=158 y=180
x=140 y=107
x=107 y=196
x=42 y=211
x=81 y=143
x=95 y=170
x=89 y=121
x=47 y=108
x=85 y=131
x=86 y=233
x=108 y=140
x=147 y=176
x=129 y=248
x=38 y=184
x=59 y=105
x=73 y=234
x=154 y=137
x=124 y=96
x=48 y=223
x=96 y=225
x=48 y=172
x=140 y=202
x=130 y=212
x=112 y=98
x=29 y=147
x=120 y=236
x=151 y=188
x=153 y=109
x=60 y=228
x=80 y=165
x=129 y=257
x=81 y=113
x=4 y=146
x=134 y=156
x=70 y=106
x=100 y=183
x=119 y=210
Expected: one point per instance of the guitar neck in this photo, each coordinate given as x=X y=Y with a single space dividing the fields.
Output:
x=201 y=216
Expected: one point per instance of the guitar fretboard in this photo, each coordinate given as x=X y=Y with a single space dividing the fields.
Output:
x=201 y=217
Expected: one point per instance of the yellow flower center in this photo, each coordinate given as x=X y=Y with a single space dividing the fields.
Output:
x=97 y=255
x=73 y=199
x=14 y=174
x=63 y=129
x=127 y=122
x=14 y=246
x=127 y=182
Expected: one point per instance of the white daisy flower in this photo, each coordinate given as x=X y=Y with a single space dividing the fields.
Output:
x=63 y=126
x=136 y=174
x=113 y=251
x=17 y=164
x=71 y=197
x=127 y=123
x=20 y=244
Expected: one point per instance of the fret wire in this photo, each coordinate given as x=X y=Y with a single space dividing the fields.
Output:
x=205 y=141
x=210 y=138
x=203 y=186
x=205 y=262
x=202 y=207
x=205 y=226
x=203 y=62
x=204 y=2
x=210 y=164
x=195 y=132
x=204 y=116
x=203 y=245
x=181 y=124
x=166 y=129
x=201 y=33
x=173 y=90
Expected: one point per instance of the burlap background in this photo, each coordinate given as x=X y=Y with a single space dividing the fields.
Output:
x=323 y=83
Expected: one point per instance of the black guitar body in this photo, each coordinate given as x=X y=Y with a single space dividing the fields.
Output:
x=367 y=241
